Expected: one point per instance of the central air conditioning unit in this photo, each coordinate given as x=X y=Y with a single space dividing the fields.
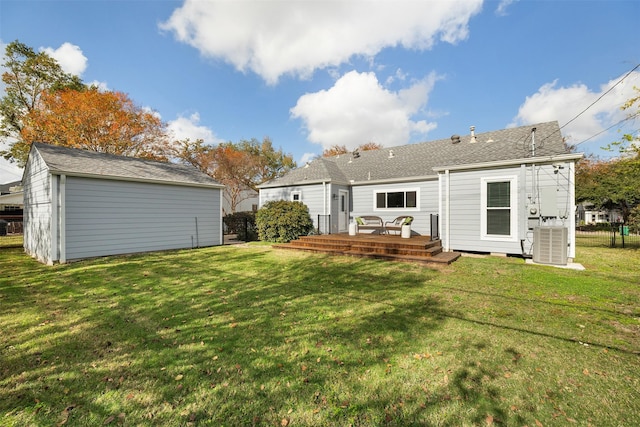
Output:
x=550 y=245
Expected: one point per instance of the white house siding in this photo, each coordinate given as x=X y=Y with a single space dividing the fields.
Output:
x=364 y=203
x=108 y=217
x=314 y=196
x=540 y=186
x=551 y=185
x=462 y=230
x=37 y=210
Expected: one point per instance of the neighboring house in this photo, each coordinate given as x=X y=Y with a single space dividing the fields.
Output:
x=11 y=199
x=588 y=214
x=246 y=201
x=80 y=204
x=490 y=191
x=11 y=205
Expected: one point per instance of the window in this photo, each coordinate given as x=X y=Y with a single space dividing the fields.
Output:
x=499 y=209
x=296 y=196
x=396 y=199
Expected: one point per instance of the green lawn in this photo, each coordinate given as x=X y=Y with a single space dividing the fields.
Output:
x=248 y=335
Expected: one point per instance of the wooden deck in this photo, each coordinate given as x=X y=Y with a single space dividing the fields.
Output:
x=415 y=249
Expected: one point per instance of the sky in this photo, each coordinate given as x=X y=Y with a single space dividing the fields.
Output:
x=310 y=74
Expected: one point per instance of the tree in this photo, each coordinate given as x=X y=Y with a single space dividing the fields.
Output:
x=269 y=162
x=628 y=145
x=336 y=150
x=610 y=184
x=614 y=183
x=102 y=121
x=241 y=166
x=28 y=74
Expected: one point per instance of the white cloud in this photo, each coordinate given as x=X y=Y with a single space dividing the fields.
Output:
x=565 y=103
x=501 y=10
x=70 y=58
x=189 y=127
x=297 y=37
x=9 y=172
x=358 y=110
x=306 y=157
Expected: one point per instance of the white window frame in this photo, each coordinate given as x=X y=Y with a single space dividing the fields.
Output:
x=513 y=202
x=296 y=193
x=396 y=190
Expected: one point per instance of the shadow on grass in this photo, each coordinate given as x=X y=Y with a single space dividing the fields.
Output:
x=224 y=336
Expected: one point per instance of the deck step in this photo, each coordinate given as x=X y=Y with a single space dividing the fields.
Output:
x=416 y=249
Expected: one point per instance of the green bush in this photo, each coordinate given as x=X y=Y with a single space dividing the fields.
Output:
x=243 y=224
x=282 y=221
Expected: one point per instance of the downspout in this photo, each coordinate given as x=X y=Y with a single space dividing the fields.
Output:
x=534 y=185
x=440 y=178
x=54 y=224
x=447 y=202
x=324 y=206
x=63 y=219
x=324 y=197
x=571 y=212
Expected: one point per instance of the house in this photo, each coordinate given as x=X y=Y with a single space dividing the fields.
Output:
x=80 y=204
x=588 y=214
x=11 y=205
x=488 y=192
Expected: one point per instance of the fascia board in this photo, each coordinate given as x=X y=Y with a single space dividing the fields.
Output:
x=132 y=179
x=395 y=180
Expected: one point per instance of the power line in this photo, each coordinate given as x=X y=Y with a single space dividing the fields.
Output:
x=609 y=128
x=591 y=105
x=601 y=96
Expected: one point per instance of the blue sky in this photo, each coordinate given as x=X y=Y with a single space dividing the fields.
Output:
x=311 y=74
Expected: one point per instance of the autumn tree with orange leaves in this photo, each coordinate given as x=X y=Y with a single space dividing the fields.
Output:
x=102 y=121
x=336 y=150
x=241 y=166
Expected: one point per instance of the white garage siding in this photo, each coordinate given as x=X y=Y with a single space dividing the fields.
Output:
x=38 y=189
x=107 y=217
x=81 y=204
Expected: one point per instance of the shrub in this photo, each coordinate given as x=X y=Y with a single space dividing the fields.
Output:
x=243 y=224
x=282 y=221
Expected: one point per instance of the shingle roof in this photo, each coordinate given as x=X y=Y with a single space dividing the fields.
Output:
x=419 y=160
x=71 y=161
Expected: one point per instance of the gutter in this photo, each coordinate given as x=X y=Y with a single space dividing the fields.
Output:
x=500 y=163
x=135 y=179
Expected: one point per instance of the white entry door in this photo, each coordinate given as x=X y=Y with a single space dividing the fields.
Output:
x=343 y=211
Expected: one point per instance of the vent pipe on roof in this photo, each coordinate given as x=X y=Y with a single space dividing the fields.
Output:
x=455 y=139
x=473 y=135
x=391 y=155
x=533 y=142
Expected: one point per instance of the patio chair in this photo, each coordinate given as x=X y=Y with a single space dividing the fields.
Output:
x=396 y=224
x=370 y=222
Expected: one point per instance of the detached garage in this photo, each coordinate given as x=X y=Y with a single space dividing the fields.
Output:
x=80 y=204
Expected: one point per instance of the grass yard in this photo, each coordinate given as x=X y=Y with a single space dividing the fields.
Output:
x=247 y=335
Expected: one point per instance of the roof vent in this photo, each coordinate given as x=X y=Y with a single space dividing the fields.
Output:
x=391 y=155
x=356 y=153
x=473 y=135
x=455 y=139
